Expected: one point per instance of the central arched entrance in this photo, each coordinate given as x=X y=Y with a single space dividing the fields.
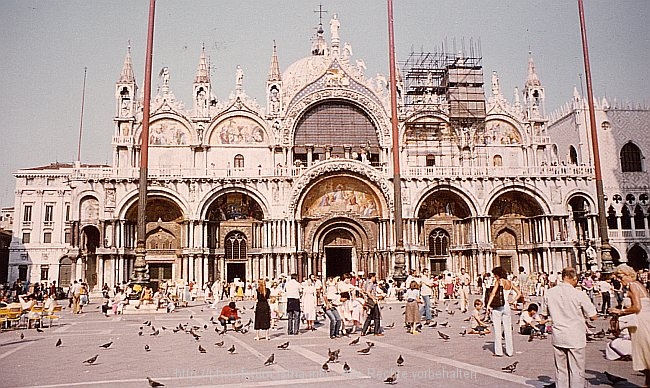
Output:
x=338 y=246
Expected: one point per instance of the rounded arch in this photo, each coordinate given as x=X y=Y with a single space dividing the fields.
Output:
x=515 y=202
x=163 y=132
x=89 y=208
x=330 y=194
x=209 y=199
x=338 y=223
x=438 y=242
x=542 y=203
x=637 y=257
x=131 y=199
x=237 y=128
x=444 y=200
x=363 y=101
x=158 y=209
x=631 y=158
x=504 y=129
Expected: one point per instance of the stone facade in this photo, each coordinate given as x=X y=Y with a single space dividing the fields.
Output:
x=305 y=184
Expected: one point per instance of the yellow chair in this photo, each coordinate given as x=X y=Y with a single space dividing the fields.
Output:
x=4 y=313
x=52 y=316
x=34 y=315
x=14 y=315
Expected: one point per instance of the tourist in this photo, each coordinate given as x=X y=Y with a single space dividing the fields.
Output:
x=426 y=292
x=499 y=303
x=309 y=304
x=530 y=321
x=604 y=287
x=640 y=331
x=477 y=325
x=463 y=290
x=412 y=315
x=228 y=314
x=293 y=289
x=335 y=318
x=76 y=295
x=372 y=306
x=568 y=307
x=262 y=309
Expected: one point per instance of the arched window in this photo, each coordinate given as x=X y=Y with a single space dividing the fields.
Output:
x=611 y=218
x=639 y=218
x=573 y=155
x=626 y=218
x=630 y=158
x=431 y=160
x=439 y=243
x=498 y=161
x=235 y=246
x=239 y=161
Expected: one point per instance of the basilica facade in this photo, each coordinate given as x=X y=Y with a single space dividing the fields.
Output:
x=304 y=183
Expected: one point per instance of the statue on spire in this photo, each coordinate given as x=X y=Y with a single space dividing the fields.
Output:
x=335 y=24
x=239 y=78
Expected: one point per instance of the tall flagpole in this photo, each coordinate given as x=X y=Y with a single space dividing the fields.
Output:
x=399 y=273
x=140 y=276
x=605 y=248
x=81 y=119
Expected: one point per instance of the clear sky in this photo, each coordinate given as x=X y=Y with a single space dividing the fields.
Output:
x=45 y=46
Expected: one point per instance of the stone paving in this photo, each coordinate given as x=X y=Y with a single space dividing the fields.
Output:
x=175 y=361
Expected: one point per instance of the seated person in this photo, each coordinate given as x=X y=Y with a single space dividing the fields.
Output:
x=145 y=297
x=50 y=303
x=228 y=314
x=530 y=321
x=158 y=298
x=105 y=302
x=119 y=301
x=27 y=302
x=477 y=325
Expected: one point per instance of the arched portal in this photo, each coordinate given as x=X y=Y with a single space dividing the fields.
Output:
x=637 y=258
x=89 y=243
x=338 y=246
x=65 y=272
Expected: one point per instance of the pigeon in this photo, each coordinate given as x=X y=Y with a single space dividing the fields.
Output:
x=153 y=328
x=154 y=384
x=22 y=336
x=147 y=323
x=326 y=367
x=140 y=333
x=391 y=379
x=164 y=328
x=147 y=348
x=219 y=344
x=174 y=330
x=364 y=351
x=346 y=368
x=400 y=360
x=463 y=332
x=39 y=330
x=356 y=341
x=613 y=378
x=106 y=345
x=444 y=324
x=155 y=332
x=205 y=327
x=434 y=324
x=202 y=349
x=232 y=349
x=390 y=326
x=510 y=368
x=91 y=360
x=270 y=360
x=284 y=346
x=58 y=342
x=451 y=312
x=443 y=335
x=191 y=316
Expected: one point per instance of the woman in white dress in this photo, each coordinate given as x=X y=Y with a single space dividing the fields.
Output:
x=309 y=304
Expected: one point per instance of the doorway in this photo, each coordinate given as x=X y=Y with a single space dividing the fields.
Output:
x=506 y=263
x=65 y=272
x=158 y=273
x=235 y=270
x=339 y=261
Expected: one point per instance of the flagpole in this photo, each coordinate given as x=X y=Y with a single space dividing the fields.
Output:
x=605 y=248
x=139 y=267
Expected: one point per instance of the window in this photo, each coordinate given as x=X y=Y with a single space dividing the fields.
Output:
x=26 y=237
x=67 y=212
x=45 y=271
x=630 y=158
x=431 y=161
x=47 y=237
x=573 y=155
x=235 y=246
x=67 y=237
x=439 y=243
x=22 y=273
x=497 y=160
x=27 y=214
x=239 y=161
x=49 y=213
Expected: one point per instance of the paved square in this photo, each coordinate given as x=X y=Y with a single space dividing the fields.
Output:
x=174 y=358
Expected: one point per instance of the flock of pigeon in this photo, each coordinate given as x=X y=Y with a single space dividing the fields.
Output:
x=332 y=355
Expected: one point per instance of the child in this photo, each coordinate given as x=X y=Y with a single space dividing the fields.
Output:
x=531 y=320
x=478 y=326
x=275 y=314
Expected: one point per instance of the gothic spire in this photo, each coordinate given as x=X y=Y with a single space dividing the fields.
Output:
x=532 y=79
x=274 y=71
x=202 y=71
x=127 y=69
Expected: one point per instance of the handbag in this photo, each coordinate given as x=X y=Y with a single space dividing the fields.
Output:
x=627 y=321
x=498 y=300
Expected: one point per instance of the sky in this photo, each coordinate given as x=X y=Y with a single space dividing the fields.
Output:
x=46 y=45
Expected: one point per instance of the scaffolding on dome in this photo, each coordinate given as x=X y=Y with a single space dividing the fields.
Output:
x=449 y=80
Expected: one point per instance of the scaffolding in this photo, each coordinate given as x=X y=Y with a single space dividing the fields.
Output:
x=451 y=80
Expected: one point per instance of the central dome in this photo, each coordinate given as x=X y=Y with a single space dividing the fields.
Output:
x=303 y=72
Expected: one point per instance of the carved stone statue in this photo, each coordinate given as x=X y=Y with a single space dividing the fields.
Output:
x=239 y=77
x=335 y=24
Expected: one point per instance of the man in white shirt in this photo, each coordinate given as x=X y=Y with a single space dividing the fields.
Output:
x=426 y=292
x=292 y=290
x=464 y=290
x=605 y=288
x=568 y=308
